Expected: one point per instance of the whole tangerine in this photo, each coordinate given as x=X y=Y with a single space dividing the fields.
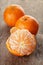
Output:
x=12 y=14
x=28 y=22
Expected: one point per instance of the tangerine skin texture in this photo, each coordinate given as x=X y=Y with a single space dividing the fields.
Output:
x=28 y=22
x=12 y=14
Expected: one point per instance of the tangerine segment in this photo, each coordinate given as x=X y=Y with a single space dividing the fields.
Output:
x=12 y=14
x=12 y=51
x=28 y=22
x=13 y=29
x=21 y=42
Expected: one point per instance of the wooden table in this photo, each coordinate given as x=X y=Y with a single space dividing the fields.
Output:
x=35 y=9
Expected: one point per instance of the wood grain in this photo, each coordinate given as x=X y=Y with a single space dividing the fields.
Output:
x=31 y=7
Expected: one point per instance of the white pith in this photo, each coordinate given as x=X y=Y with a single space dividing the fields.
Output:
x=20 y=45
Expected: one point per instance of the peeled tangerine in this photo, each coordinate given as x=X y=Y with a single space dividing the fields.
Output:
x=21 y=42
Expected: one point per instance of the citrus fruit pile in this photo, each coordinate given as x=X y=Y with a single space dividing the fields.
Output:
x=24 y=28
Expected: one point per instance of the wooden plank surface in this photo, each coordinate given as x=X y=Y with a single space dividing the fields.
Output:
x=31 y=7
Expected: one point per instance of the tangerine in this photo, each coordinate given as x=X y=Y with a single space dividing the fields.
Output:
x=28 y=22
x=21 y=42
x=12 y=14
